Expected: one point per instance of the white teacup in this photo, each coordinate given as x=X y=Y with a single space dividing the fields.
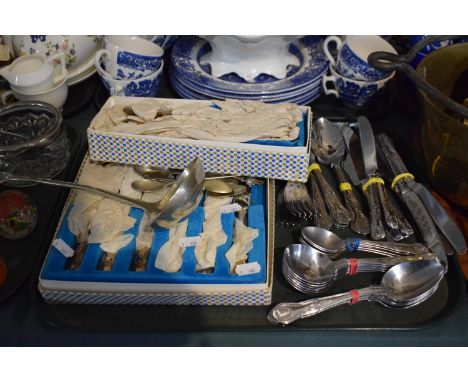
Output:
x=34 y=73
x=57 y=96
x=353 y=51
x=129 y=57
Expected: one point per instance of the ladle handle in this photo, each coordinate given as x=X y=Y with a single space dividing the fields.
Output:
x=288 y=312
x=388 y=62
x=98 y=191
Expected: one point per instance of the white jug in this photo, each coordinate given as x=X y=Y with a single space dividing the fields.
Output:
x=34 y=73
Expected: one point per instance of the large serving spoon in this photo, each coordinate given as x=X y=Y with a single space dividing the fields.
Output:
x=311 y=271
x=333 y=245
x=329 y=147
x=179 y=202
x=403 y=286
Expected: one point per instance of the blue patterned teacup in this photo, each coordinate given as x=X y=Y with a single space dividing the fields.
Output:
x=129 y=57
x=147 y=86
x=352 y=53
x=356 y=94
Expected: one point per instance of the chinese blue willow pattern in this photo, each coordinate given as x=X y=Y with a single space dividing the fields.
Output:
x=356 y=94
x=133 y=66
x=140 y=88
x=351 y=66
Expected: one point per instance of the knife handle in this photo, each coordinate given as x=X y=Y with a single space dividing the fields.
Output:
x=424 y=222
x=338 y=212
x=377 y=229
x=387 y=211
x=445 y=223
x=359 y=221
x=321 y=217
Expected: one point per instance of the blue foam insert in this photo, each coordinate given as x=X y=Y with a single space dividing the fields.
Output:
x=299 y=141
x=54 y=266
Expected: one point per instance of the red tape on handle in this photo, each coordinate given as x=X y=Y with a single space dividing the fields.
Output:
x=354 y=297
x=352 y=267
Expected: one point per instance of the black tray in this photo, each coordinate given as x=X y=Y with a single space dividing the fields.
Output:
x=398 y=123
x=21 y=255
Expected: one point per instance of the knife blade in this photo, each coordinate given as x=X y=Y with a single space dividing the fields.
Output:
x=347 y=163
x=369 y=155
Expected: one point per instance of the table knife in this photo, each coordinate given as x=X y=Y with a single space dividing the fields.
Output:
x=370 y=167
x=440 y=217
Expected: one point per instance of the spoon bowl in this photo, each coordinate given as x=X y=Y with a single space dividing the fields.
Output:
x=149 y=185
x=152 y=172
x=323 y=240
x=217 y=187
x=408 y=281
x=327 y=143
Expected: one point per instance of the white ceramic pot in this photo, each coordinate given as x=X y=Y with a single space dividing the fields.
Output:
x=250 y=56
x=34 y=73
x=79 y=50
x=56 y=96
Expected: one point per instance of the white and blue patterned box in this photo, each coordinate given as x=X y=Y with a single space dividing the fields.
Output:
x=69 y=291
x=247 y=159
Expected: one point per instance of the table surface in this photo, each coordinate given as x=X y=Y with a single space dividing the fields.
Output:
x=21 y=322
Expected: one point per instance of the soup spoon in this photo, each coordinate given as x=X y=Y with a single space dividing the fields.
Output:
x=331 y=244
x=403 y=286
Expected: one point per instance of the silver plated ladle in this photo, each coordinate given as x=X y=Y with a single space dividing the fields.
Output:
x=179 y=202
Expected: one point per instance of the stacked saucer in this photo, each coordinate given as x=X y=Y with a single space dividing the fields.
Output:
x=302 y=85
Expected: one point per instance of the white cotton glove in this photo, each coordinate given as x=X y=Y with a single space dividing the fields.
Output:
x=108 y=225
x=86 y=204
x=170 y=255
x=242 y=244
x=213 y=235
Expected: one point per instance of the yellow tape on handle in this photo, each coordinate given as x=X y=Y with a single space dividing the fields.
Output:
x=314 y=167
x=372 y=181
x=345 y=186
x=405 y=175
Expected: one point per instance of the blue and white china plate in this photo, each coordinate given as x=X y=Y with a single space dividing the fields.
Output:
x=185 y=59
x=174 y=77
x=176 y=82
x=301 y=100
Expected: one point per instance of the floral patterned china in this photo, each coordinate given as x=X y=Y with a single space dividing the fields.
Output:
x=79 y=51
